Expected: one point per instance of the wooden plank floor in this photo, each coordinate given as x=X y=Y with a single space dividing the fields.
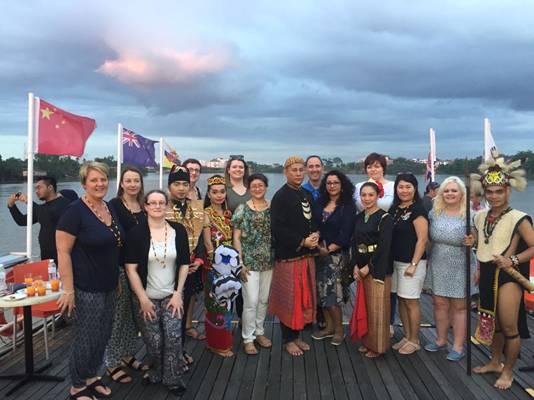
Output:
x=325 y=372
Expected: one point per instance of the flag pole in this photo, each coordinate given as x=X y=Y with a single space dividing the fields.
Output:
x=432 y=155
x=468 y=266
x=119 y=153
x=29 y=197
x=161 y=163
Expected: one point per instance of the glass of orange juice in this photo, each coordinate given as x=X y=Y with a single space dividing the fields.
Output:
x=54 y=285
x=30 y=291
x=28 y=279
x=41 y=290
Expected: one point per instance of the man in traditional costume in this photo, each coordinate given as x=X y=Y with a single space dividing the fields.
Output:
x=504 y=248
x=189 y=213
x=295 y=236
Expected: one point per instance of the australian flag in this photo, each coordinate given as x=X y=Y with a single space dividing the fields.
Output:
x=138 y=150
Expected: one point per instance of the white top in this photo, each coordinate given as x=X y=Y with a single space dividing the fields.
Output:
x=160 y=279
x=384 y=203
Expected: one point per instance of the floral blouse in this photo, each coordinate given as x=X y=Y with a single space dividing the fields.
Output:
x=255 y=227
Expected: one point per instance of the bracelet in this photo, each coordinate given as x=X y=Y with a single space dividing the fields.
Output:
x=515 y=261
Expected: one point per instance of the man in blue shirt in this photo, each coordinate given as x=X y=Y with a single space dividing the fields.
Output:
x=314 y=169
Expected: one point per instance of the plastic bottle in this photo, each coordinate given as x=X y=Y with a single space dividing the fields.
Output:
x=3 y=284
x=52 y=270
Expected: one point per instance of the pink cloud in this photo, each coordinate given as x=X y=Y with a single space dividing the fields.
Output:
x=164 y=66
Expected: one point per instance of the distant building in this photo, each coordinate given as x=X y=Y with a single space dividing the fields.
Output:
x=218 y=162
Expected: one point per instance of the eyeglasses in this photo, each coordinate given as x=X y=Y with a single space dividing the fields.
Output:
x=155 y=204
x=333 y=183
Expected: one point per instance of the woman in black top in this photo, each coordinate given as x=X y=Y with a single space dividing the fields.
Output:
x=371 y=262
x=410 y=235
x=88 y=238
x=334 y=213
x=123 y=341
x=157 y=263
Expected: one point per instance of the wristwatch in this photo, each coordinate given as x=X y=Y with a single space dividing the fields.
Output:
x=412 y=264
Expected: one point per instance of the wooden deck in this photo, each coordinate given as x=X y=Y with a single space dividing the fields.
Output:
x=325 y=372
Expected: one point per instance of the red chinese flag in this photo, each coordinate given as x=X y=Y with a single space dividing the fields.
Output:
x=60 y=132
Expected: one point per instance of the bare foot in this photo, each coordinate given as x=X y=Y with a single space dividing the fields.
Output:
x=264 y=341
x=302 y=344
x=372 y=354
x=489 y=368
x=505 y=380
x=362 y=349
x=87 y=393
x=293 y=349
x=223 y=353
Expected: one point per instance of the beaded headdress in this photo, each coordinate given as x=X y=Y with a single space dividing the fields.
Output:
x=497 y=172
x=178 y=174
x=216 y=180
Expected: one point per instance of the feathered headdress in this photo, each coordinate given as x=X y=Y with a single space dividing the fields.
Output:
x=497 y=172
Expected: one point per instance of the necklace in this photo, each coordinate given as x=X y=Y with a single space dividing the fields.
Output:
x=400 y=213
x=254 y=204
x=368 y=215
x=131 y=212
x=490 y=222
x=162 y=262
x=113 y=227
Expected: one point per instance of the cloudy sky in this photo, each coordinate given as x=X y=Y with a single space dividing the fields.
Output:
x=270 y=78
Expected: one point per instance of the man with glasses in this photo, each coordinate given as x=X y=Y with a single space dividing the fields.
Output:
x=314 y=169
x=189 y=213
x=295 y=237
x=195 y=169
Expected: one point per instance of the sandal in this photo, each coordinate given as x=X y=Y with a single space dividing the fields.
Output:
x=362 y=349
x=135 y=364
x=96 y=393
x=82 y=393
x=193 y=333
x=116 y=376
x=409 y=348
x=399 y=344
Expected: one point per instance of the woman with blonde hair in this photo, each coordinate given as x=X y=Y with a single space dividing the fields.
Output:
x=89 y=237
x=447 y=266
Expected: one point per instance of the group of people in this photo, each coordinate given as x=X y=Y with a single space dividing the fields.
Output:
x=137 y=263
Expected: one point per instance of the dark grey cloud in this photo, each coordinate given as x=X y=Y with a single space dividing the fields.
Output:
x=271 y=78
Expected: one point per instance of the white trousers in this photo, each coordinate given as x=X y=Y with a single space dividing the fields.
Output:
x=255 y=301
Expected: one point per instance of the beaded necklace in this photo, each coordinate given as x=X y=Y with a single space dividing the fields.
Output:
x=490 y=223
x=131 y=212
x=113 y=227
x=162 y=262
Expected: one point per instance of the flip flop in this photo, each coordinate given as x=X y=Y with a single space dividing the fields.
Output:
x=412 y=348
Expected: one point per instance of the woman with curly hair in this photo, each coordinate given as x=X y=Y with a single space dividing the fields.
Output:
x=335 y=213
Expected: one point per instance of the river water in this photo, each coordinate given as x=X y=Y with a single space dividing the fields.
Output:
x=13 y=237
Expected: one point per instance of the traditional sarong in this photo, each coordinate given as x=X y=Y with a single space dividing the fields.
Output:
x=218 y=320
x=377 y=300
x=293 y=296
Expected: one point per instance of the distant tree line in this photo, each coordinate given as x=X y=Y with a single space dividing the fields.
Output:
x=61 y=167
x=66 y=168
